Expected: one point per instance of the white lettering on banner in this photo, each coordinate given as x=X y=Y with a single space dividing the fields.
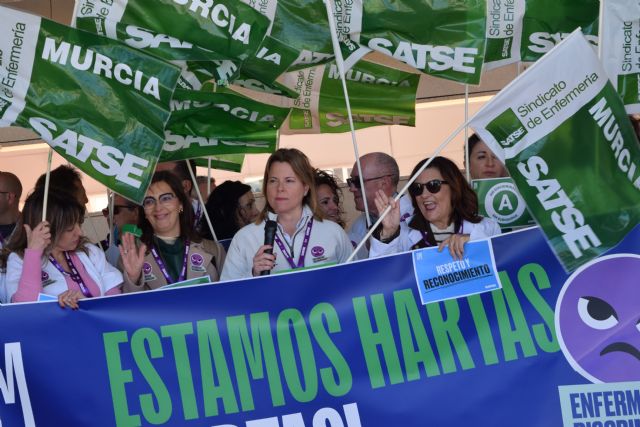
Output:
x=611 y=130
x=13 y=365
x=239 y=112
x=220 y=16
x=438 y=58
x=268 y=56
x=359 y=76
x=141 y=38
x=308 y=57
x=102 y=65
x=175 y=142
x=339 y=119
x=544 y=42
x=513 y=137
x=322 y=417
x=110 y=160
x=569 y=221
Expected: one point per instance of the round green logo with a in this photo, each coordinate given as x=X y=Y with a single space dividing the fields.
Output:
x=503 y=203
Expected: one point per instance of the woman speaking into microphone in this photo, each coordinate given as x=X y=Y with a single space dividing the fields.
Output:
x=302 y=238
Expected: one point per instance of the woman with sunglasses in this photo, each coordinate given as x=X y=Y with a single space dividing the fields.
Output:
x=446 y=213
x=171 y=251
x=302 y=238
x=53 y=258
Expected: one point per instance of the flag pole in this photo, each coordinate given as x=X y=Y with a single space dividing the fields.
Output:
x=340 y=64
x=406 y=186
x=467 y=165
x=46 y=185
x=204 y=209
x=208 y=176
x=111 y=200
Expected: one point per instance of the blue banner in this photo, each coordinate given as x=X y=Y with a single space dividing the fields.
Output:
x=348 y=345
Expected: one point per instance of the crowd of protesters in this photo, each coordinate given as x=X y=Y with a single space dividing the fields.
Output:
x=166 y=241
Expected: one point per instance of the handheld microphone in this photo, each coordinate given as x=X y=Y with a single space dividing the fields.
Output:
x=270 y=229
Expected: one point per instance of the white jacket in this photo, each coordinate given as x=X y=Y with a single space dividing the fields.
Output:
x=359 y=229
x=409 y=237
x=104 y=274
x=328 y=244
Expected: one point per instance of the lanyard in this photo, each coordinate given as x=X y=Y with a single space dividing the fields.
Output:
x=303 y=250
x=196 y=219
x=163 y=268
x=75 y=276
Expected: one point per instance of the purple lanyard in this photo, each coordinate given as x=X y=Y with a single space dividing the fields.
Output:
x=75 y=276
x=163 y=268
x=196 y=219
x=303 y=250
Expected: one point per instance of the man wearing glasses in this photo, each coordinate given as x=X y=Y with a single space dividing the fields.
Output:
x=124 y=212
x=10 y=192
x=380 y=172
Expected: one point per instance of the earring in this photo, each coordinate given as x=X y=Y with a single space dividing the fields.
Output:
x=181 y=210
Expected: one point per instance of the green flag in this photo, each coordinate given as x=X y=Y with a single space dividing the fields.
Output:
x=227 y=162
x=205 y=124
x=620 y=49
x=547 y=22
x=504 y=32
x=100 y=104
x=177 y=29
x=570 y=148
x=379 y=95
x=444 y=38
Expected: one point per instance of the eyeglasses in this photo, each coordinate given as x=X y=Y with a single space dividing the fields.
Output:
x=432 y=187
x=165 y=199
x=355 y=180
x=116 y=209
x=248 y=206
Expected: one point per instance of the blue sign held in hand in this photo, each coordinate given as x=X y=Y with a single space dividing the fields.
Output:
x=441 y=277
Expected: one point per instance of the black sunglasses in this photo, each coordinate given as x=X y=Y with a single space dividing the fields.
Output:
x=116 y=209
x=432 y=187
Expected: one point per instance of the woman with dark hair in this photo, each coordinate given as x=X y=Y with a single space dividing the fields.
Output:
x=446 y=213
x=482 y=162
x=230 y=206
x=329 y=197
x=52 y=257
x=302 y=238
x=171 y=251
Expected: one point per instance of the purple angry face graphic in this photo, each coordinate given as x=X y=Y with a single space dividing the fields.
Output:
x=598 y=319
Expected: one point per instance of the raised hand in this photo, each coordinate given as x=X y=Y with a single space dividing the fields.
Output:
x=38 y=238
x=132 y=256
x=391 y=221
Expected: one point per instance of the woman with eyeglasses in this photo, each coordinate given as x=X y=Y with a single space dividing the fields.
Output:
x=446 y=213
x=170 y=250
x=230 y=206
x=302 y=238
x=53 y=258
